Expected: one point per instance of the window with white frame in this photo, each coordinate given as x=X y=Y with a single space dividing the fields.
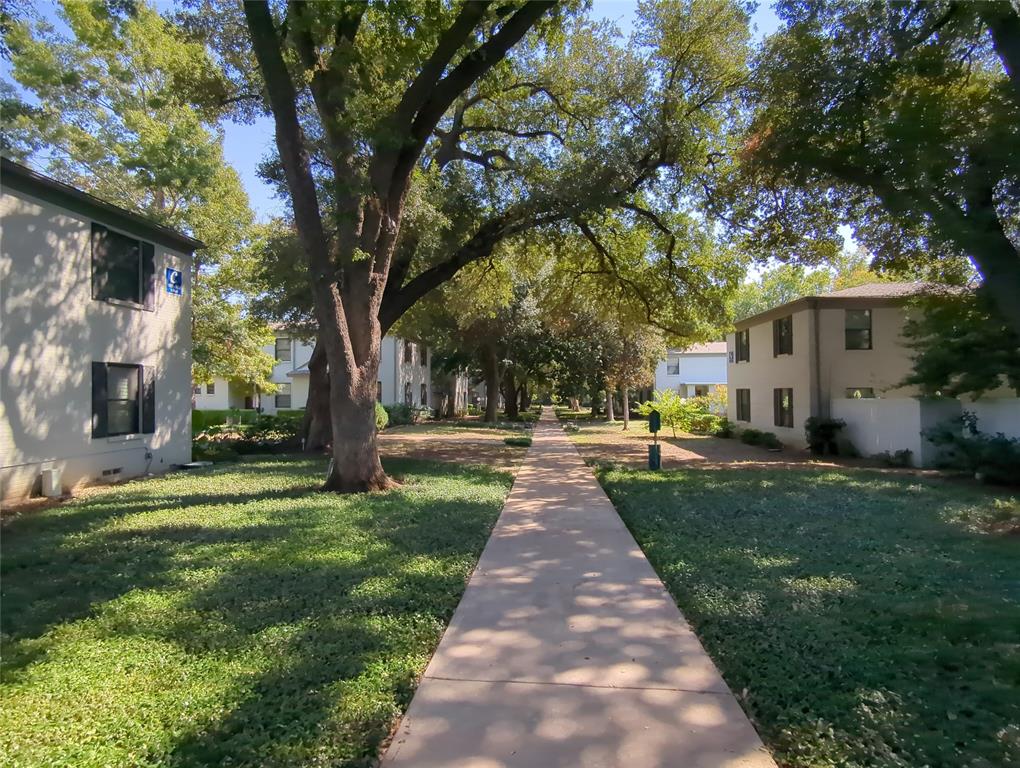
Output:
x=283 y=349
x=283 y=395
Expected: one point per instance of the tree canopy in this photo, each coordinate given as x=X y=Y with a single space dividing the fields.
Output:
x=900 y=119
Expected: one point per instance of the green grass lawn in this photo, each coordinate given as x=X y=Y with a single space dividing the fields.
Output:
x=864 y=619
x=235 y=618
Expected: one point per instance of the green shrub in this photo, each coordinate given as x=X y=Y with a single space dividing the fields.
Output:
x=897 y=459
x=724 y=429
x=991 y=458
x=705 y=423
x=400 y=414
x=684 y=413
x=821 y=434
x=753 y=436
x=521 y=440
x=382 y=418
x=212 y=417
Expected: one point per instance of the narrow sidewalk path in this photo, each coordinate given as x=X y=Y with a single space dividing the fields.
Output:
x=566 y=649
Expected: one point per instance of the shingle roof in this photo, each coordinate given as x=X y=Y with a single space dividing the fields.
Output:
x=709 y=348
x=889 y=290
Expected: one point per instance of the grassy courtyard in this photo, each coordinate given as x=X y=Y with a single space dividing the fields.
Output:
x=863 y=618
x=233 y=617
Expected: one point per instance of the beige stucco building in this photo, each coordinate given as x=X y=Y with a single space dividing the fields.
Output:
x=841 y=356
x=95 y=339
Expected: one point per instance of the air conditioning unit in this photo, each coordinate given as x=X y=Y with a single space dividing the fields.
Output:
x=51 y=486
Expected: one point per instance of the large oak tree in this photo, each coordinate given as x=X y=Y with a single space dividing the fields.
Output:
x=554 y=119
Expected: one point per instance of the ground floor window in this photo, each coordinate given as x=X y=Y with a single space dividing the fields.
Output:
x=860 y=393
x=378 y=391
x=424 y=395
x=198 y=389
x=283 y=395
x=123 y=399
x=701 y=390
x=407 y=394
x=743 y=405
x=210 y=388
x=783 y=407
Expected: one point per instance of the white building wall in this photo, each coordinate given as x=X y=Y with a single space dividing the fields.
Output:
x=393 y=373
x=694 y=369
x=51 y=330
x=996 y=414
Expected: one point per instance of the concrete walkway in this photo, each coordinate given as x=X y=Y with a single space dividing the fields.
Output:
x=566 y=649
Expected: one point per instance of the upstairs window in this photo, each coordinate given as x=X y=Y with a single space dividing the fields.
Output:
x=782 y=336
x=424 y=356
x=858 y=329
x=673 y=366
x=783 y=407
x=378 y=391
x=123 y=268
x=408 y=352
x=743 y=343
x=283 y=349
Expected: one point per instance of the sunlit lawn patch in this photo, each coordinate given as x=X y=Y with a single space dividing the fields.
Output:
x=863 y=618
x=232 y=618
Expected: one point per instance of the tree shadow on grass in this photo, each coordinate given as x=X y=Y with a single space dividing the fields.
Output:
x=865 y=626
x=334 y=604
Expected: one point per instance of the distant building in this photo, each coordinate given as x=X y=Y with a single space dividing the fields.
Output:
x=95 y=339
x=405 y=376
x=841 y=356
x=694 y=371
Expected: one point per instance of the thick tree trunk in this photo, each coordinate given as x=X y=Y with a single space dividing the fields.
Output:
x=491 y=368
x=1004 y=24
x=525 y=396
x=356 y=466
x=626 y=408
x=575 y=404
x=610 y=413
x=317 y=428
x=510 y=394
x=594 y=390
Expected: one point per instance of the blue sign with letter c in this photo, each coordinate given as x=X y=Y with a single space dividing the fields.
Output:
x=174 y=281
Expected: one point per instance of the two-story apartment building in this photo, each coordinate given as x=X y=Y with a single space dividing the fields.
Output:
x=695 y=371
x=95 y=339
x=841 y=356
x=405 y=376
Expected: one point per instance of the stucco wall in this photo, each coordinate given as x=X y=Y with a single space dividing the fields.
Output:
x=882 y=367
x=52 y=331
x=764 y=373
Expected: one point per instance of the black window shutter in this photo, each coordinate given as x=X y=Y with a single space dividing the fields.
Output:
x=147 y=384
x=99 y=258
x=99 y=397
x=149 y=276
